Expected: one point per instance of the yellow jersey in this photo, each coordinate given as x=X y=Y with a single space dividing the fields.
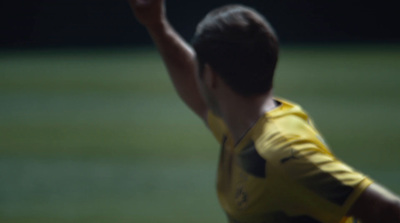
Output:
x=282 y=172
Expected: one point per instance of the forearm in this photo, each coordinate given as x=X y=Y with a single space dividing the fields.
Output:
x=180 y=61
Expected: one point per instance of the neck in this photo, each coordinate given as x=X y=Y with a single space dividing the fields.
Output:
x=241 y=113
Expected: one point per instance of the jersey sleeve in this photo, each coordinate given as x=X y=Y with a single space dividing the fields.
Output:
x=317 y=184
x=217 y=126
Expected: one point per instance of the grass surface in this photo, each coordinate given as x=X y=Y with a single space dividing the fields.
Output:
x=101 y=136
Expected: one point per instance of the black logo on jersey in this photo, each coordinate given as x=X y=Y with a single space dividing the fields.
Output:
x=292 y=156
x=241 y=197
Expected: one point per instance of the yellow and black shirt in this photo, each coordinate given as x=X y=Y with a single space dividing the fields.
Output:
x=282 y=172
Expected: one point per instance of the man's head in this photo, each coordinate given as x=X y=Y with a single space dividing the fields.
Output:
x=240 y=46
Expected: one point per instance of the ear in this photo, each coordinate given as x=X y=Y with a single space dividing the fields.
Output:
x=210 y=77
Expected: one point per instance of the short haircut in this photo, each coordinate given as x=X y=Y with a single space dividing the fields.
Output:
x=240 y=45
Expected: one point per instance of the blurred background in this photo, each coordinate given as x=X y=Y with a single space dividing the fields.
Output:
x=91 y=129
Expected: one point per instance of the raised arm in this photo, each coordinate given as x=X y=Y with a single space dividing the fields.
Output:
x=178 y=56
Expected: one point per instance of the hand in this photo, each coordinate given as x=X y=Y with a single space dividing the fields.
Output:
x=148 y=12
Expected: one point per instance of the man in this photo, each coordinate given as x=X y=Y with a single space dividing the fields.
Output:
x=274 y=166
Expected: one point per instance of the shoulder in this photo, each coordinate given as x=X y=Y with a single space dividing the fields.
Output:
x=286 y=135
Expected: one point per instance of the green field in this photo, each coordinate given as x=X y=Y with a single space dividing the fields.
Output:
x=101 y=136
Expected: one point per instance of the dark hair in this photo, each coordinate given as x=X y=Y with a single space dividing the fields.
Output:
x=240 y=45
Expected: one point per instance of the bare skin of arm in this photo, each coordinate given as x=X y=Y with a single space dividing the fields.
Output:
x=377 y=204
x=178 y=56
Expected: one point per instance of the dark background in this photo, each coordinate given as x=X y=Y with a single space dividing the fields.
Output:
x=65 y=23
